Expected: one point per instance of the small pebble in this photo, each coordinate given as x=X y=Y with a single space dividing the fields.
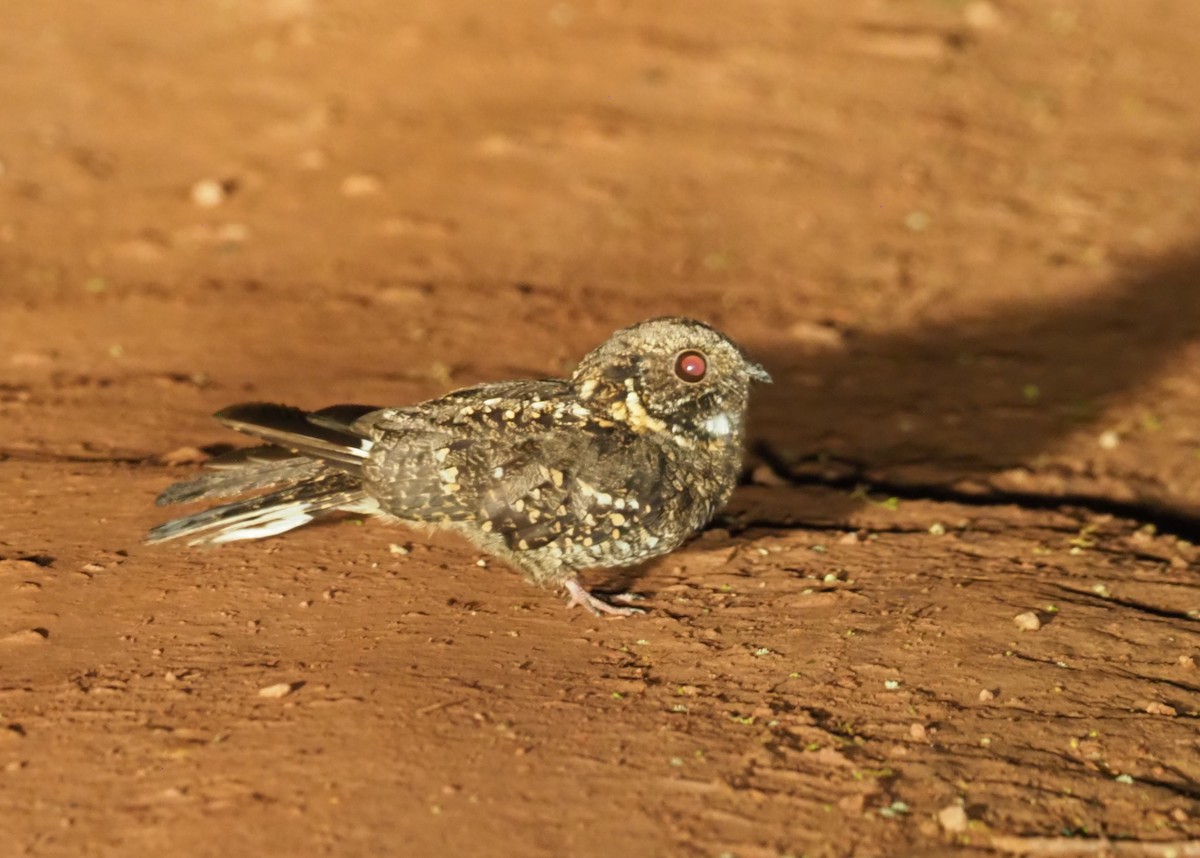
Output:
x=282 y=689
x=398 y=549
x=986 y=696
x=982 y=15
x=208 y=193
x=1187 y=662
x=817 y=334
x=1157 y=708
x=1109 y=440
x=765 y=475
x=26 y=636
x=1028 y=621
x=20 y=567
x=918 y=731
x=184 y=456
x=953 y=818
x=361 y=185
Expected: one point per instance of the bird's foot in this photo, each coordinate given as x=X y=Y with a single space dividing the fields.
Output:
x=597 y=606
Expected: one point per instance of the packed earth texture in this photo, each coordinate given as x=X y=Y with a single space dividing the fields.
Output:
x=954 y=608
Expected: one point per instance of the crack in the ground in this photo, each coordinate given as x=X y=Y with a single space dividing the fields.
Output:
x=1166 y=520
x=1141 y=607
x=55 y=458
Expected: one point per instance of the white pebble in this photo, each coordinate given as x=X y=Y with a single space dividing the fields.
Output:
x=1109 y=439
x=281 y=689
x=208 y=193
x=953 y=818
x=1028 y=621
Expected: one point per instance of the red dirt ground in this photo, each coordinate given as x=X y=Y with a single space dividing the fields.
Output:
x=962 y=235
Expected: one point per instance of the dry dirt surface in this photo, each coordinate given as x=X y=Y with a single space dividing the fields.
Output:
x=953 y=610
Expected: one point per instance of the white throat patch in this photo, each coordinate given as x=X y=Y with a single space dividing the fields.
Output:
x=721 y=425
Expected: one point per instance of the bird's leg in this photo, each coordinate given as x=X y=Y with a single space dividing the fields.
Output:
x=596 y=605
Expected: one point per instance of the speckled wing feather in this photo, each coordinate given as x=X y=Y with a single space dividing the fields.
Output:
x=547 y=505
x=430 y=463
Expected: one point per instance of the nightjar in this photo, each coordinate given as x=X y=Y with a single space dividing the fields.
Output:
x=617 y=464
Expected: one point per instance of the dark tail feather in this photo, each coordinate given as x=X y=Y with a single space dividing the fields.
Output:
x=316 y=457
x=297 y=430
x=269 y=514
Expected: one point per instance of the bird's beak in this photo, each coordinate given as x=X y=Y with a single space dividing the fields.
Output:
x=756 y=372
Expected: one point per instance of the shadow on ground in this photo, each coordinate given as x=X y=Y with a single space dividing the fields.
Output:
x=938 y=411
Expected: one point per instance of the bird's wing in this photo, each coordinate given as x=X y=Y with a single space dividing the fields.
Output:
x=580 y=490
x=492 y=456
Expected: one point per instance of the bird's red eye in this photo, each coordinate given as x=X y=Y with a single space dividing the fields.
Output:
x=691 y=366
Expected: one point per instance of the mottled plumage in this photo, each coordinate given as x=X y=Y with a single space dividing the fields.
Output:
x=619 y=463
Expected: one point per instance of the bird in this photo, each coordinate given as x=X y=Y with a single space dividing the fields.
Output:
x=619 y=463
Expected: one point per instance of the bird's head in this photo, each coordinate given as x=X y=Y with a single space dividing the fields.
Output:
x=670 y=374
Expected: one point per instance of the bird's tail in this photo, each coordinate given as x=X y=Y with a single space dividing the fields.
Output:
x=312 y=461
